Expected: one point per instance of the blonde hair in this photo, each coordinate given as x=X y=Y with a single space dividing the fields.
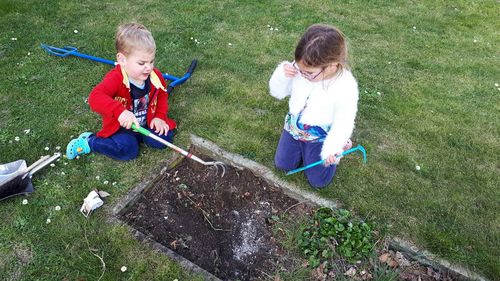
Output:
x=322 y=45
x=134 y=36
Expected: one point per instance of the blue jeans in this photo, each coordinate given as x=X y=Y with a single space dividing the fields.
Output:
x=291 y=153
x=124 y=144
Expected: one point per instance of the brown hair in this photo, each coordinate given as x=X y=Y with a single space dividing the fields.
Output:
x=322 y=45
x=134 y=36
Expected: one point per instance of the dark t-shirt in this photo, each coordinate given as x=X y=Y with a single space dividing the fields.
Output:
x=140 y=101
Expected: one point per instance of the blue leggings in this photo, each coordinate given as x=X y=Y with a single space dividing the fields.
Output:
x=124 y=144
x=291 y=153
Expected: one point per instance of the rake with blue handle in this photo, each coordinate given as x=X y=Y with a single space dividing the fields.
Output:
x=359 y=147
x=73 y=51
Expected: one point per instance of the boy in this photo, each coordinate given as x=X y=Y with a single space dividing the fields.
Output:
x=131 y=93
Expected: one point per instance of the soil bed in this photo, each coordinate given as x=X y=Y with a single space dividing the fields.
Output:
x=232 y=226
x=222 y=224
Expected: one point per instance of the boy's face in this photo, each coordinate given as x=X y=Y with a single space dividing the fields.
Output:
x=138 y=64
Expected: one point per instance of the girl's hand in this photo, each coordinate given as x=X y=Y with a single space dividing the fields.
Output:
x=160 y=126
x=332 y=159
x=290 y=71
x=127 y=118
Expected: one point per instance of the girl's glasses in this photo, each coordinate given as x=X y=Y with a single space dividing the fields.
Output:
x=307 y=75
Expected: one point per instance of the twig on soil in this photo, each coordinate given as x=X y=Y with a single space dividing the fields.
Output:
x=90 y=250
x=205 y=214
x=294 y=205
x=209 y=222
x=265 y=273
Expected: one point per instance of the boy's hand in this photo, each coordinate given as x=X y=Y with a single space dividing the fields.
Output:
x=290 y=71
x=127 y=118
x=160 y=126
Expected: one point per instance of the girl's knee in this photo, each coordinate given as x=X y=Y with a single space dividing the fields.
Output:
x=320 y=177
x=319 y=183
x=283 y=164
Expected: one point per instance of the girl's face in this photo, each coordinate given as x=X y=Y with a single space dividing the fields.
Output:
x=138 y=65
x=315 y=74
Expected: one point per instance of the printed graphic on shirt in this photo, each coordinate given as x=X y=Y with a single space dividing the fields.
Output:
x=141 y=109
x=140 y=102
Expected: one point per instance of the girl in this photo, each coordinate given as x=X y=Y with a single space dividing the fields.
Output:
x=322 y=106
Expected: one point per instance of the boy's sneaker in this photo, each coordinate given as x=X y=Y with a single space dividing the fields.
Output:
x=78 y=146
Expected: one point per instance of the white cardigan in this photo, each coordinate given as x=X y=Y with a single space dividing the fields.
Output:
x=331 y=102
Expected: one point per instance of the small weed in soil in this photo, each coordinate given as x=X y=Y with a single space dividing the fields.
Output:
x=334 y=233
x=222 y=224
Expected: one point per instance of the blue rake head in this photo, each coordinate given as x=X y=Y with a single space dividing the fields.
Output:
x=60 y=52
x=363 y=151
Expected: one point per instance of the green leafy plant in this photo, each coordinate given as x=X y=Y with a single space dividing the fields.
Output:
x=334 y=233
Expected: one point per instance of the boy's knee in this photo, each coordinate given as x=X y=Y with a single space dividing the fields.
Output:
x=128 y=156
x=159 y=145
x=128 y=152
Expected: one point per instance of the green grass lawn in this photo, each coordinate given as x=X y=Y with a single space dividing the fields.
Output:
x=428 y=72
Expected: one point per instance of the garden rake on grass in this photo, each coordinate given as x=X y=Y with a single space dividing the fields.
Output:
x=73 y=51
x=189 y=155
x=359 y=147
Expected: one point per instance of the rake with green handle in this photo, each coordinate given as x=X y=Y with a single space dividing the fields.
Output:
x=359 y=147
x=189 y=155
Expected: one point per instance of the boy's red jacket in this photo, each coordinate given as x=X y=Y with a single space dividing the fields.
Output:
x=112 y=96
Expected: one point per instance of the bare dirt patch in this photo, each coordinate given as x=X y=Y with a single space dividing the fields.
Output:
x=222 y=224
